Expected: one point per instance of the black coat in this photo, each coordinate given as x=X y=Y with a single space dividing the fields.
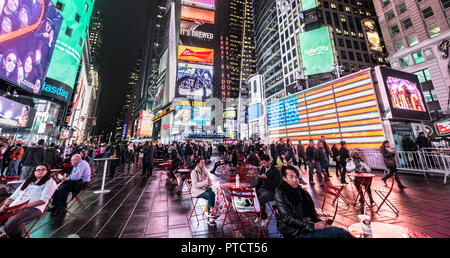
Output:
x=409 y=145
x=423 y=142
x=149 y=154
x=343 y=155
x=50 y=156
x=33 y=155
x=128 y=156
x=272 y=181
x=312 y=154
x=295 y=219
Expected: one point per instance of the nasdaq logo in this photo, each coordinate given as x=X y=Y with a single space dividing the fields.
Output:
x=55 y=90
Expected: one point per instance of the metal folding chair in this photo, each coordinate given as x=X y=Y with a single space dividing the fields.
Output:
x=244 y=220
x=384 y=195
x=11 y=212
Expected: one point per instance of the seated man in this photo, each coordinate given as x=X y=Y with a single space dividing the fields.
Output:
x=77 y=181
x=268 y=179
x=297 y=214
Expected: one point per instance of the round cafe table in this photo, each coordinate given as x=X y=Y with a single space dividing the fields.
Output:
x=381 y=230
x=365 y=177
x=230 y=186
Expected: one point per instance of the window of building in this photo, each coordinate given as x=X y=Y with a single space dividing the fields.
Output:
x=349 y=43
x=401 y=8
x=341 y=7
x=341 y=42
x=418 y=57
x=412 y=40
x=354 y=67
x=358 y=57
x=434 y=30
x=289 y=56
x=385 y=2
x=351 y=56
x=59 y=6
x=407 y=23
x=69 y=31
x=356 y=44
x=434 y=95
x=77 y=17
x=325 y=4
x=404 y=62
x=343 y=54
x=445 y=4
x=395 y=30
x=294 y=52
x=427 y=96
x=363 y=46
x=333 y=5
x=390 y=15
x=423 y=75
x=399 y=45
x=427 y=12
x=293 y=41
x=328 y=16
x=346 y=67
x=348 y=9
x=366 y=58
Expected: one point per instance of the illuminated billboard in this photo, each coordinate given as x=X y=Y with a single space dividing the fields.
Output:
x=69 y=44
x=192 y=116
x=194 y=81
x=231 y=114
x=443 y=127
x=404 y=95
x=208 y=4
x=14 y=114
x=196 y=34
x=316 y=51
x=254 y=112
x=197 y=14
x=344 y=109
x=145 y=126
x=308 y=4
x=196 y=54
x=372 y=37
x=27 y=39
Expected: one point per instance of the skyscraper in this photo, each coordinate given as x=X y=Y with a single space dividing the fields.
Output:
x=96 y=35
x=416 y=33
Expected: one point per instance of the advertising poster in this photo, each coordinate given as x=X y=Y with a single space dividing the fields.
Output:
x=28 y=33
x=196 y=54
x=70 y=42
x=405 y=95
x=15 y=114
x=443 y=127
x=197 y=14
x=229 y=114
x=372 y=37
x=196 y=34
x=308 y=4
x=194 y=81
x=145 y=127
x=207 y=4
x=254 y=112
x=192 y=116
x=316 y=51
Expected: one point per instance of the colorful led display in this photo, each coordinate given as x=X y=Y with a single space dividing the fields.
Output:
x=443 y=127
x=14 y=114
x=208 y=4
x=308 y=4
x=196 y=55
x=197 y=14
x=197 y=34
x=194 y=81
x=145 y=124
x=372 y=37
x=316 y=51
x=192 y=116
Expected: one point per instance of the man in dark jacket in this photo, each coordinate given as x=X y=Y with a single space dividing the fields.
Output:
x=422 y=141
x=32 y=156
x=301 y=155
x=325 y=146
x=50 y=156
x=281 y=147
x=268 y=179
x=313 y=159
x=344 y=154
x=148 y=159
x=297 y=214
x=410 y=145
x=273 y=152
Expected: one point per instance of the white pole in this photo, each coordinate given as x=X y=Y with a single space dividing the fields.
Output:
x=103 y=190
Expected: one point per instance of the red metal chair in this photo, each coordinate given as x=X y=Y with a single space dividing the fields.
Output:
x=28 y=231
x=77 y=199
x=232 y=178
x=195 y=205
x=11 y=212
x=244 y=216
x=5 y=179
x=384 y=195
x=335 y=192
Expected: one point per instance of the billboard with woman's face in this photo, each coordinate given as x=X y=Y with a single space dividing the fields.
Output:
x=28 y=32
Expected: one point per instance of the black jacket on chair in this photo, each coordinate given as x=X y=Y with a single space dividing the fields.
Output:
x=293 y=218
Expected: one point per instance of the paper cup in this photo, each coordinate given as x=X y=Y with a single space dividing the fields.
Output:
x=366 y=226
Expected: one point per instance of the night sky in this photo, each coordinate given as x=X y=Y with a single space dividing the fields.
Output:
x=123 y=37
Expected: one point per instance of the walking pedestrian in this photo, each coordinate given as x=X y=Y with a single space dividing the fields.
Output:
x=389 y=160
x=128 y=158
x=344 y=154
x=312 y=157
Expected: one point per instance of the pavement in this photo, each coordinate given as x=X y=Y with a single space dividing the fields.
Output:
x=145 y=207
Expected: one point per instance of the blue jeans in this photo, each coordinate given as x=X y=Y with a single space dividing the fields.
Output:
x=25 y=172
x=343 y=172
x=210 y=196
x=331 y=232
x=13 y=167
x=313 y=166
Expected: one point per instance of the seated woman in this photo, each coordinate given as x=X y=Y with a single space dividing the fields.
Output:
x=38 y=188
x=361 y=167
x=201 y=188
x=297 y=214
x=190 y=164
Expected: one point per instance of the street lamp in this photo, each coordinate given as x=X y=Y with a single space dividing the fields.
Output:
x=337 y=70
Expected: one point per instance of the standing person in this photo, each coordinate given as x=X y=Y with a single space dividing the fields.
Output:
x=268 y=179
x=301 y=155
x=325 y=146
x=323 y=159
x=360 y=167
x=273 y=152
x=50 y=156
x=281 y=147
x=297 y=215
x=32 y=156
x=148 y=159
x=201 y=188
x=343 y=156
x=176 y=162
x=15 y=157
x=77 y=181
x=128 y=158
x=3 y=148
x=38 y=189
x=312 y=157
x=290 y=152
x=335 y=153
x=112 y=153
x=389 y=161
x=411 y=146
x=422 y=141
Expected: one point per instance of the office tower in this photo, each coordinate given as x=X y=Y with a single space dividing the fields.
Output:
x=96 y=35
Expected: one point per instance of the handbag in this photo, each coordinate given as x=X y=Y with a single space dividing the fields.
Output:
x=390 y=162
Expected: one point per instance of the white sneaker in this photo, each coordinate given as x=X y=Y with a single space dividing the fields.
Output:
x=211 y=222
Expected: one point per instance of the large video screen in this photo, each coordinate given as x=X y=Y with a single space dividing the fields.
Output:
x=405 y=95
x=443 y=127
x=145 y=125
x=308 y=4
x=70 y=42
x=208 y=4
x=316 y=51
x=192 y=116
x=15 y=114
x=198 y=34
x=197 y=14
x=28 y=33
x=194 y=81
x=196 y=55
x=254 y=112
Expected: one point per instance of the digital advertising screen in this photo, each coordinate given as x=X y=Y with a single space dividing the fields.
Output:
x=145 y=125
x=196 y=54
x=198 y=34
x=28 y=33
x=443 y=127
x=14 y=114
x=197 y=14
x=254 y=112
x=192 y=116
x=194 y=81
x=405 y=95
x=316 y=51
x=372 y=37
x=207 y=4
x=308 y=4
x=70 y=42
